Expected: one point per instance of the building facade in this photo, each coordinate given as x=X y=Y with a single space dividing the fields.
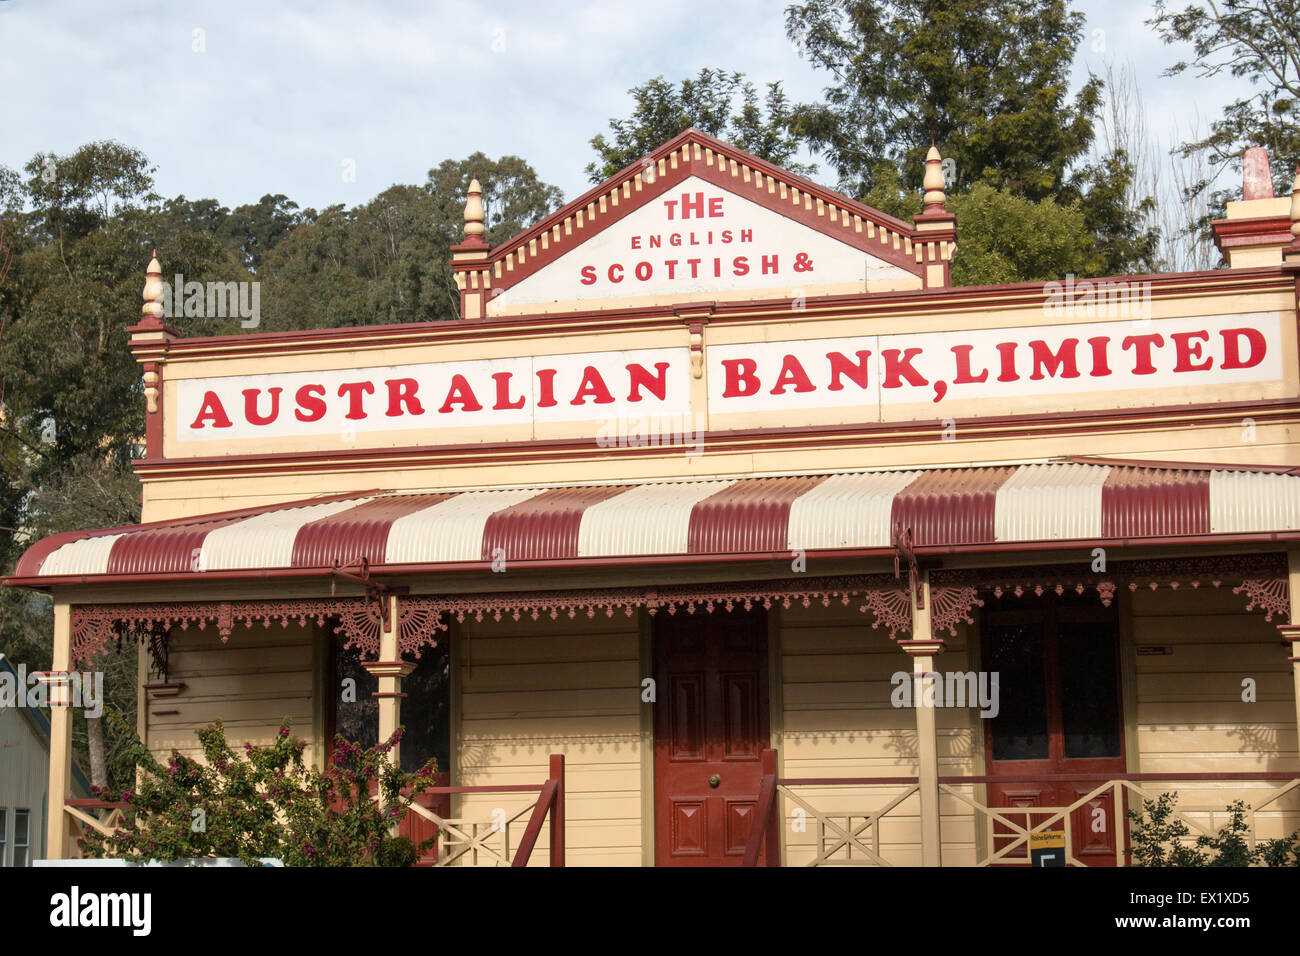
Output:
x=24 y=782
x=722 y=491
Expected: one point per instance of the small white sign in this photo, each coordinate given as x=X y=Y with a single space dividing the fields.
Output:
x=698 y=238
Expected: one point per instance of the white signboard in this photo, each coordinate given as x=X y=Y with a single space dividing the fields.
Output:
x=1178 y=361
x=698 y=238
x=1184 y=356
x=438 y=396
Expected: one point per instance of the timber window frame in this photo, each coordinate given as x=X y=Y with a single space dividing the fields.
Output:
x=25 y=844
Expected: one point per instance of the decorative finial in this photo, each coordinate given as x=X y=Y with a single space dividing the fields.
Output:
x=474 y=212
x=151 y=312
x=933 y=182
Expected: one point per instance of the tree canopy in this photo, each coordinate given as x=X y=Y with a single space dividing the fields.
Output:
x=986 y=79
x=1258 y=41
x=722 y=104
x=78 y=229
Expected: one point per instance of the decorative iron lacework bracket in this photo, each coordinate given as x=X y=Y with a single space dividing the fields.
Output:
x=91 y=637
x=158 y=653
x=95 y=625
x=421 y=618
x=377 y=594
x=879 y=594
x=955 y=593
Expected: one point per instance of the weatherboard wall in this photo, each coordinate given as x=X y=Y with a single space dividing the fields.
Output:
x=1193 y=651
x=529 y=689
x=252 y=682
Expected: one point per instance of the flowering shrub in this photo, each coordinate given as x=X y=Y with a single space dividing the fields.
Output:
x=1159 y=838
x=265 y=802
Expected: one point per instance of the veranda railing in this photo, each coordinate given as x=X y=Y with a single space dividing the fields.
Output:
x=459 y=839
x=854 y=838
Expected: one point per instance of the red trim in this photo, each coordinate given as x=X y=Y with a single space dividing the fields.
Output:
x=154 y=433
x=1062 y=778
x=1181 y=465
x=152 y=324
x=651 y=317
x=673 y=178
x=1032 y=426
x=1133 y=777
x=557 y=836
x=1256 y=231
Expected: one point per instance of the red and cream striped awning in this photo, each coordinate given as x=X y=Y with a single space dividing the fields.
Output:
x=946 y=508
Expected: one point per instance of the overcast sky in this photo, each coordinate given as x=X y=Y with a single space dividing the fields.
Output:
x=233 y=99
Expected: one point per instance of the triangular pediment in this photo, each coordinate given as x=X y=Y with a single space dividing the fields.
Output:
x=696 y=220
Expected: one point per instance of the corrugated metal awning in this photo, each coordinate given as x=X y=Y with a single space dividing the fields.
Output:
x=960 y=508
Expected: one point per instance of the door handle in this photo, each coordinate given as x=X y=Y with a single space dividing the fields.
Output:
x=714 y=780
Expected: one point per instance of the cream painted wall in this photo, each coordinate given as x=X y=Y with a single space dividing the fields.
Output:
x=530 y=689
x=838 y=721
x=250 y=683
x=1191 y=715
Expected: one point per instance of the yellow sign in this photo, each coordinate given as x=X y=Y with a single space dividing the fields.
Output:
x=1047 y=848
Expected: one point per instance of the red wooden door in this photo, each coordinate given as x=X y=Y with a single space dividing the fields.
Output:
x=418 y=828
x=711 y=725
x=1059 y=713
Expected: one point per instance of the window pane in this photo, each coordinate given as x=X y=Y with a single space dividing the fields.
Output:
x=4 y=835
x=426 y=713
x=357 y=715
x=1020 y=728
x=1089 y=695
x=20 y=837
